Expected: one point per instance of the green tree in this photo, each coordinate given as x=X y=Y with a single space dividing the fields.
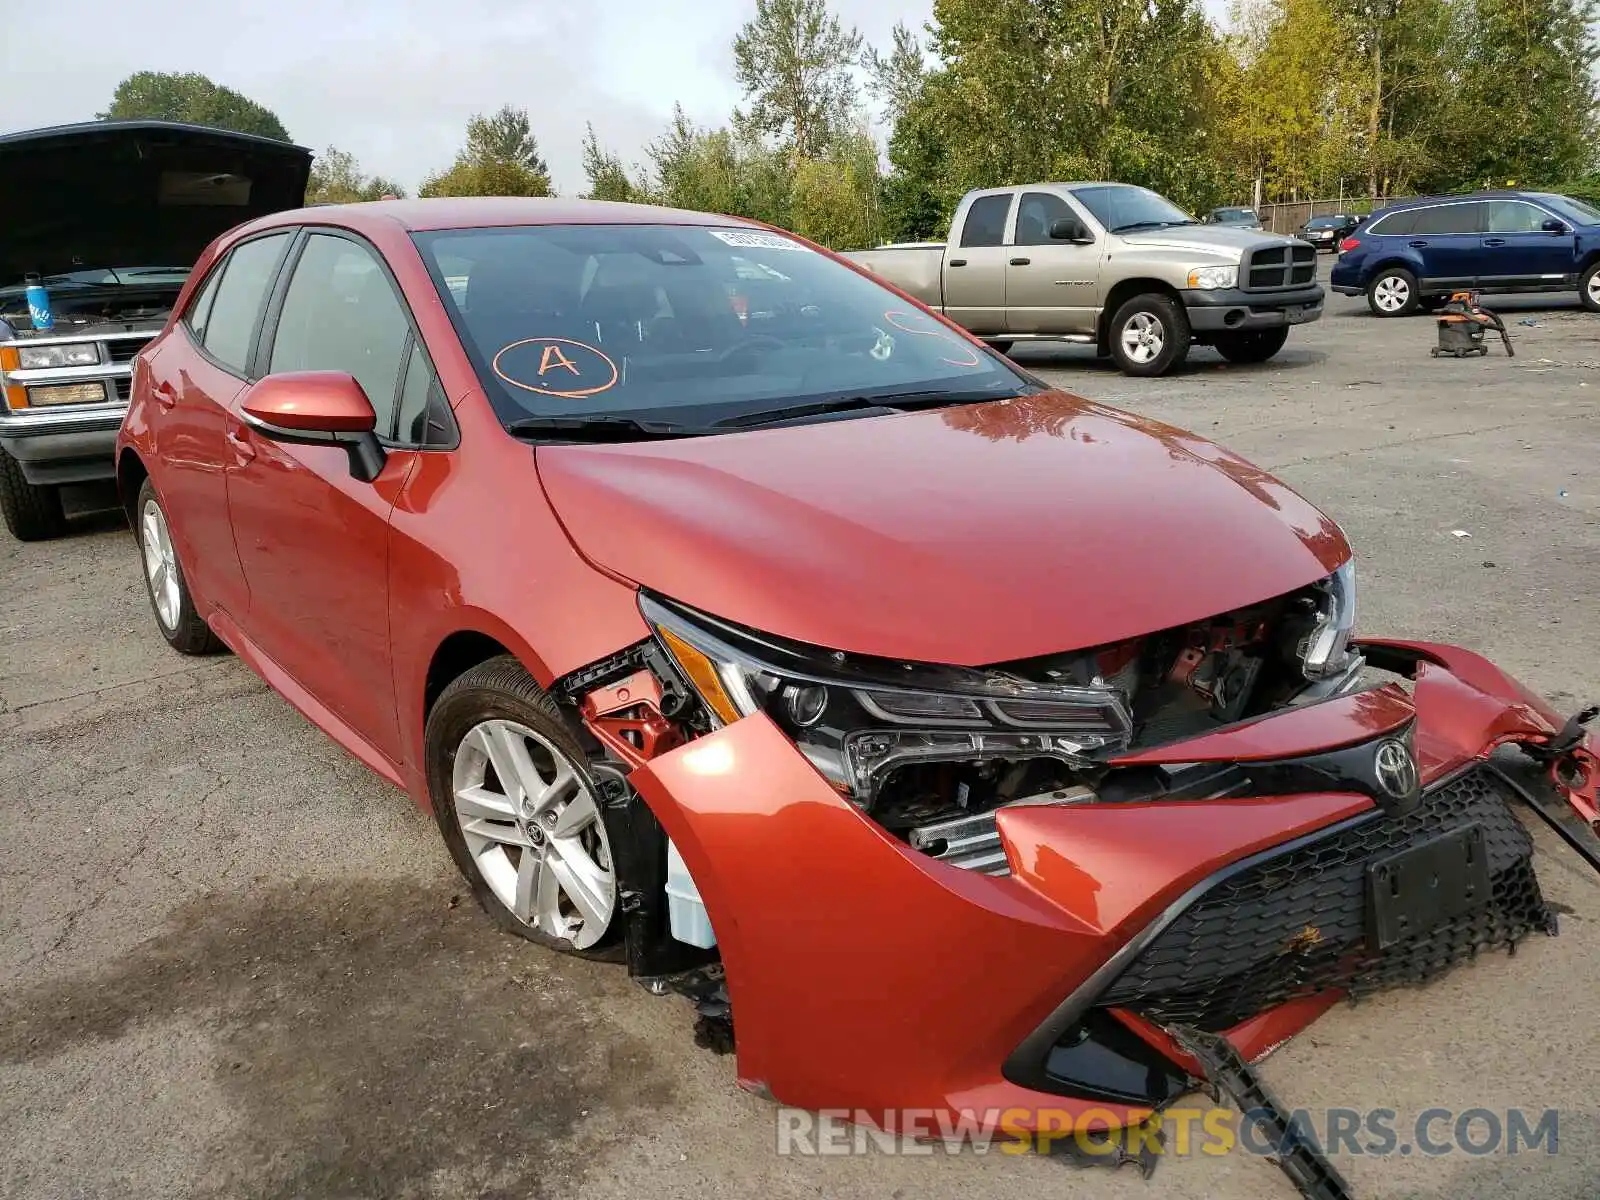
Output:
x=794 y=61
x=192 y=99
x=835 y=199
x=500 y=158
x=336 y=178
x=1526 y=92
x=608 y=180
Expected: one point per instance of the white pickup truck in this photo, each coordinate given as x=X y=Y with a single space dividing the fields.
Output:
x=1110 y=265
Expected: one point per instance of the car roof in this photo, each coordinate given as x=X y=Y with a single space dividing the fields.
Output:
x=1458 y=197
x=484 y=212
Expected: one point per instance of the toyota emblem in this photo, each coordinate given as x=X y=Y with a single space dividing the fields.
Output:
x=1395 y=768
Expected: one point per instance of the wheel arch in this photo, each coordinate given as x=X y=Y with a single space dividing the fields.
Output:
x=131 y=474
x=1121 y=292
x=1393 y=260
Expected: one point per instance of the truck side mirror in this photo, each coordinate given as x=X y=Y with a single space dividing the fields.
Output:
x=1069 y=229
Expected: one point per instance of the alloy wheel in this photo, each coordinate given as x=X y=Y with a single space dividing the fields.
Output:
x=1143 y=337
x=1392 y=293
x=532 y=826
x=1592 y=286
x=160 y=564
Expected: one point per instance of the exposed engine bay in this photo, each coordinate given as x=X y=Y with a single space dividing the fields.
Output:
x=129 y=308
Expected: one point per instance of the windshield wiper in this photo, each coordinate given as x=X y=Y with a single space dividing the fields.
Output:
x=884 y=401
x=599 y=428
x=1132 y=225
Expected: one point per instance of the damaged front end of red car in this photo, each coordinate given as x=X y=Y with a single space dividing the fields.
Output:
x=998 y=892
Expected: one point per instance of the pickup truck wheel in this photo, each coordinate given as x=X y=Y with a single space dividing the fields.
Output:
x=1254 y=347
x=1393 y=293
x=183 y=627
x=1149 y=335
x=32 y=513
x=999 y=347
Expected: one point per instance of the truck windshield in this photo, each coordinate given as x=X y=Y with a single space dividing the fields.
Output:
x=691 y=325
x=1120 y=206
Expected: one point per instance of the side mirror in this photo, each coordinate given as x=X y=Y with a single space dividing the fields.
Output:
x=1554 y=225
x=317 y=408
x=1069 y=229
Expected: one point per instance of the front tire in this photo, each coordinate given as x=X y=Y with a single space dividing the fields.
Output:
x=183 y=627
x=1393 y=293
x=1256 y=346
x=521 y=814
x=999 y=347
x=32 y=513
x=1149 y=335
x=1589 y=287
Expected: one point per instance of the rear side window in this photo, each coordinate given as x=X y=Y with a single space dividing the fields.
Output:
x=1448 y=218
x=341 y=314
x=200 y=306
x=1400 y=222
x=242 y=294
x=986 y=221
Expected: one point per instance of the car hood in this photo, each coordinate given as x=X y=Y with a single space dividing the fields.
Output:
x=970 y=535
x=134 y=193
x=1201 y=239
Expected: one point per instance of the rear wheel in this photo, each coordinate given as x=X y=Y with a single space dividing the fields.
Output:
x=32 y=513
x=1393 y=293
x=185 y=629
x=521 y=813
x=1255 y=346
x=1589 y=287
x=1149 y=335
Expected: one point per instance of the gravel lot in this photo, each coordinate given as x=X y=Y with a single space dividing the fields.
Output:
x=233 y=963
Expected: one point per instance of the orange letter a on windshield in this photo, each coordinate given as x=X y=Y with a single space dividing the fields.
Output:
x=554 y=358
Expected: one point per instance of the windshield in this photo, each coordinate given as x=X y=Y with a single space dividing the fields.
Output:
x=1579 y=212
x=1120 y=206
x=1324 y=222
x=687 y=324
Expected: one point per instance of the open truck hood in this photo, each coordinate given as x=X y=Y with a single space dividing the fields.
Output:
x=134 y=193
x=971 y=535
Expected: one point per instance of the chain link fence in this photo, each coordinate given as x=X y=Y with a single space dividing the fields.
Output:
x=1290 y=216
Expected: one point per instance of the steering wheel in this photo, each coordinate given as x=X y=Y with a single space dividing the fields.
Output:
x=751 y=342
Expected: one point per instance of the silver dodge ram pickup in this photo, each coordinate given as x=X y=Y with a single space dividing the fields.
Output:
x=107 y=217
x=1111 y=265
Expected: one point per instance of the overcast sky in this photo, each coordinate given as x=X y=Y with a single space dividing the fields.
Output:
x=394 y=81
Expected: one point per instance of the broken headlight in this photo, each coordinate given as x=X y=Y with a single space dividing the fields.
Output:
x=859 y=718
x=1325 y=650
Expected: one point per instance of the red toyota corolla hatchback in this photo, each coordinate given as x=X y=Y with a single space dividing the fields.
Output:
x=956 y=743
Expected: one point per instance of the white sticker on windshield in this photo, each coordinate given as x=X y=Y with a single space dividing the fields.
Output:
x=752 y=240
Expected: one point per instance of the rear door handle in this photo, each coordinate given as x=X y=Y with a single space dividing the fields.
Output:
x=166 y=394
x=1494 y=241
x=242 y=449
x=1020 y=262
x=1419 y=244
x=958 y=262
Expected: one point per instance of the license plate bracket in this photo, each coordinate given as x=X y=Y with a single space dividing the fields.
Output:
x=1411 y=892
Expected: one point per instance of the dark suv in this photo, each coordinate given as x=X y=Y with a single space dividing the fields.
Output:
x=1411 y=256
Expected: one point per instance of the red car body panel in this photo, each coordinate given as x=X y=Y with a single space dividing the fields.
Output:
x=1002 y=526
x=864 y=974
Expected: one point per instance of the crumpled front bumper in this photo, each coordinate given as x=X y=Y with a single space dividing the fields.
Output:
x=864 y=975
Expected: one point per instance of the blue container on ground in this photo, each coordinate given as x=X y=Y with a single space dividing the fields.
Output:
x=39 y=304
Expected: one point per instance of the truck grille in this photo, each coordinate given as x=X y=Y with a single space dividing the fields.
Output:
x=1271 y=267
x=122 y=350
x=1296 y=923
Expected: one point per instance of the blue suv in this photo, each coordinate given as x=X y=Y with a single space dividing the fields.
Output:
x=1411 y=256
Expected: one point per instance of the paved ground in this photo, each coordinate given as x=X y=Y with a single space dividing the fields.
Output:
x=234 y=964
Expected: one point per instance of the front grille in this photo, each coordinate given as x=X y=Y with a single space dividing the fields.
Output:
x=121 y=350
x=1296 y=923
x=124 y=388
x=1270 y=267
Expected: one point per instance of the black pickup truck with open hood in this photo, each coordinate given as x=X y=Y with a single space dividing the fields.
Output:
x=109 y=216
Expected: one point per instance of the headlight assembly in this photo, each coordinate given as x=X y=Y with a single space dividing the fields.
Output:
x=859 y=718
x=1210 y=278
x=71 y=354
x=1324 y=652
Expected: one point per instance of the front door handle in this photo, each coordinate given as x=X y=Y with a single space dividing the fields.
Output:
x=166 y=394
x=1020 y=262
x=1494 y=241
x=958 y=262
x=242 y=449
x=1417 y=244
